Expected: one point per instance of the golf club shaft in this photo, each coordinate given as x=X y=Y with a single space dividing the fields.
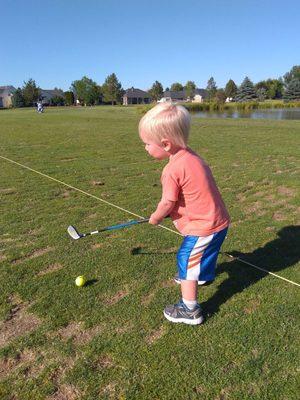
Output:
x=119 y=226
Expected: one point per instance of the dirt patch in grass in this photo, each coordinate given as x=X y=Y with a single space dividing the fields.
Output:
x=283 y=190
x=77 y=332
x=35 y=231
x=166 y=284
x=65 y=364
x=259 y=194
x=18 y=323
x=35 y=254
x=24 y=360
x=6 y=367
x=124 y=328
x=70 y=330
x=270 y=197
x=92 y=216
x=7 y=240
x=2 y=257
x=252 y=306
x=87 y=335
x=108 y=391
x=8 y=191
x=67 y=159
x=97 y=183
x=97 y=246
x=241 y=197
x=50 y=268
x=66 y=194
x=109 y=301
x=146 y=300
x=270 y=228
x=104 y=361
x=156 y=335
x=279 y=216
x=65 y=392
x=254 y=207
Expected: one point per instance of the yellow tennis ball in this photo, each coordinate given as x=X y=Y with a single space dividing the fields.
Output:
x=80 y=280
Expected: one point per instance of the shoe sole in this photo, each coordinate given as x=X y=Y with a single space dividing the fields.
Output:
x=196 y=321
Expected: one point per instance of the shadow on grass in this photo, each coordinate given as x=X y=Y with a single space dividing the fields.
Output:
x=275 y=256
x=91 y=282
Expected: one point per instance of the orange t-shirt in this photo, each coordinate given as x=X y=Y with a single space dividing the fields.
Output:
x=199 y=209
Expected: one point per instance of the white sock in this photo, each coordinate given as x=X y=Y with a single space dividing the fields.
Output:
x=191 y=304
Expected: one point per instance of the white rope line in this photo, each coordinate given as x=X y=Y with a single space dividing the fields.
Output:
x=139 y=216
x=261 y=269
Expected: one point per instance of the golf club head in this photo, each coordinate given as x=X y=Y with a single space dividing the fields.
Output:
x=72 y=231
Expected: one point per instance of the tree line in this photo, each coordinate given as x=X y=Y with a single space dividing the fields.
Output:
x=88 y=92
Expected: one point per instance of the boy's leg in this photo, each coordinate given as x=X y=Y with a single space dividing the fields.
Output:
x=196 y=260
x=187 y=310
x=189 y=290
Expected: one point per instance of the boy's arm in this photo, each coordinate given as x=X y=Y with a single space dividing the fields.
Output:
x=163 y=209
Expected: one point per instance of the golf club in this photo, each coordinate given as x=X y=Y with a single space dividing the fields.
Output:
x=73 y=232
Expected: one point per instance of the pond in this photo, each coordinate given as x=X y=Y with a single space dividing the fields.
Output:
x=280 y=113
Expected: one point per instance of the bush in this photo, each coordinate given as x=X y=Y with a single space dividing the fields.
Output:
x=215 y=106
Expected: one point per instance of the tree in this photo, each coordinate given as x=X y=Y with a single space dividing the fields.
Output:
x=292 y=92
x=273 y=87
x=211 y=88
x=156 y=91
x=86 y=91
x=230 y=89
x=30 y=92
x=246 y=91
x=176 y=87
x=220 y=96
x=18 y=99
x=190 y=87
x=261 y=94
x=69 y=98
x=112 y=89
x=294 y=73
x=57 y=101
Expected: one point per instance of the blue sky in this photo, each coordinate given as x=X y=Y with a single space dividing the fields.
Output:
x=58 y=41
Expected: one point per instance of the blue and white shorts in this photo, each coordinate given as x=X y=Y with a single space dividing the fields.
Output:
x=197 y=256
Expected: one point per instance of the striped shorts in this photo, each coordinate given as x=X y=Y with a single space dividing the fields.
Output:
x=197 y=256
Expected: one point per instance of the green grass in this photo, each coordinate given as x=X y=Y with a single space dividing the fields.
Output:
x=109 y=340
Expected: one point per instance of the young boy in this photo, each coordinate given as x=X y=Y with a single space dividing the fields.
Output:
x=191 y=198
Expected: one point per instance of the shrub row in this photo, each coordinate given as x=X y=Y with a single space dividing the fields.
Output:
x=214 y=106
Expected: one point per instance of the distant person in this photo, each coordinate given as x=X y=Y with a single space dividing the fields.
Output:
x=40 y=107
x=191 y=197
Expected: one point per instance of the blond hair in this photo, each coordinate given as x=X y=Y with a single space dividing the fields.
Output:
x=166 y=121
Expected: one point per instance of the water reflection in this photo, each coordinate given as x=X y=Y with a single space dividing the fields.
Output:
x=279 y=113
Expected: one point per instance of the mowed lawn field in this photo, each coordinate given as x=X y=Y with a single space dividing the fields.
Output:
x=109 y=339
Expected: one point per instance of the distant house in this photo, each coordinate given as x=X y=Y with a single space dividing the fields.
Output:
x=198 y=96
x=47 y=94
x=6 y=93
x=136 y=96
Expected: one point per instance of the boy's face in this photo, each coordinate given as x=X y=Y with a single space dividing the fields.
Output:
x=154 y=149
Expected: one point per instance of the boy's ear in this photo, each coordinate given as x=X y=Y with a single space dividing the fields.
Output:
x=166 y=144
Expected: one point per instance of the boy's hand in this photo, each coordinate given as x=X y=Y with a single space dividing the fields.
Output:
x=153 y=220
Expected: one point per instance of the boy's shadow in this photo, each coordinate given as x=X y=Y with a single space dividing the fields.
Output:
x=275 y=256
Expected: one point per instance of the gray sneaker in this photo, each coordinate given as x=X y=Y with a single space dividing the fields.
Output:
x=181 y=313
x=200 y=283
